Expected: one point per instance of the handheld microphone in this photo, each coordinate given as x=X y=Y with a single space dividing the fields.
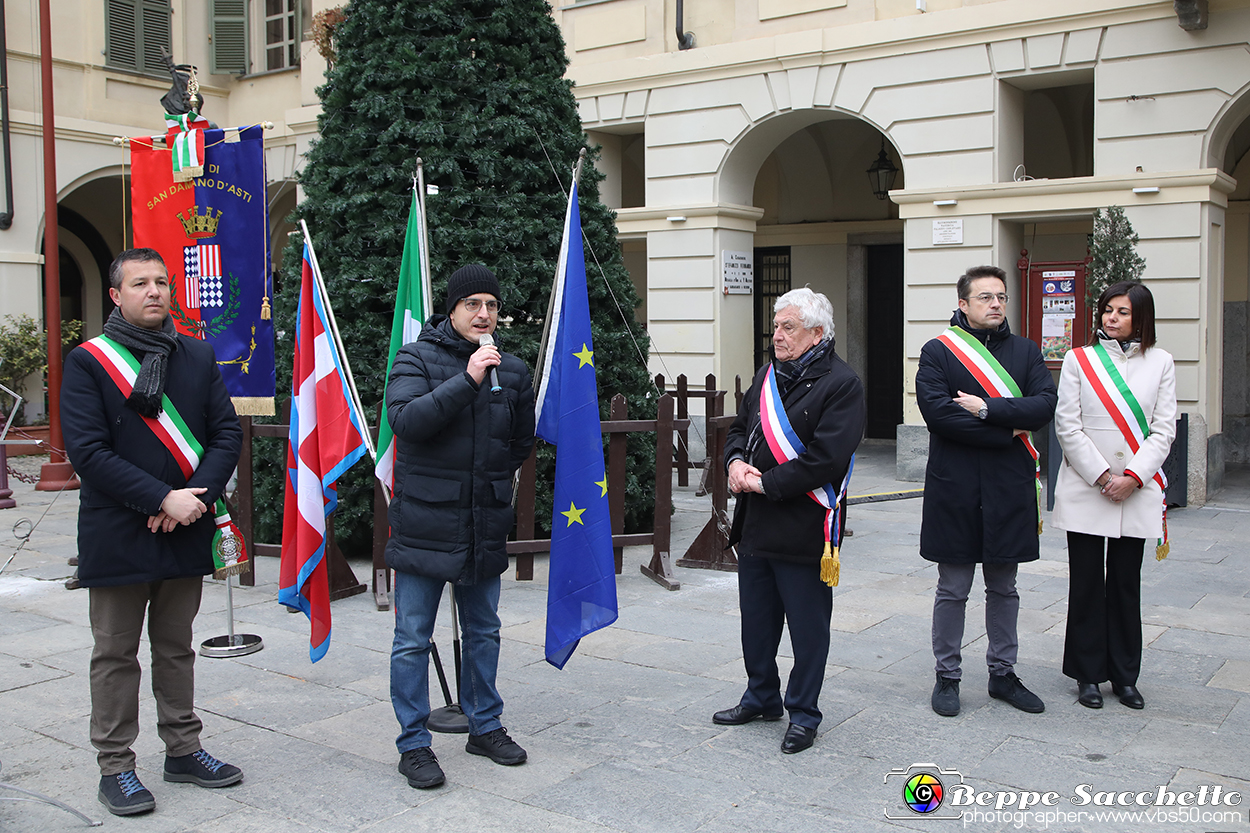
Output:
x=487 y=340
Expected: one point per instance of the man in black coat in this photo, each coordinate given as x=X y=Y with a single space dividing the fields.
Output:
x=981 y=493
x=459 y=445
x=779 y=528
x=145 y=529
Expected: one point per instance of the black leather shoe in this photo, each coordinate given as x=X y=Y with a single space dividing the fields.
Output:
x=740 y=714
x=1129 y=696
x=797 y=739
x=1088 y=695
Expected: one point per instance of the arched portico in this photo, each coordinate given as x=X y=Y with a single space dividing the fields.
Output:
x=1228 y=148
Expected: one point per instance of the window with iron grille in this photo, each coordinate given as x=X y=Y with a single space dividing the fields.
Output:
x=134 y=33
x=772 y=280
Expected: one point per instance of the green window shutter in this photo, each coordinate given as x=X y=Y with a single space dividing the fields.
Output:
x=154 y=34
x=120 y=42
x=228 y=21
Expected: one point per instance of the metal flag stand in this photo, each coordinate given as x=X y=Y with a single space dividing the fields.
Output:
x=232 y=644
x=450 y=719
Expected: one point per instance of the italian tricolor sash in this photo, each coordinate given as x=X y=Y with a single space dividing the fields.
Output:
x=229 y=554
x=1115 y=395
x=996 y=382
x=785 y=445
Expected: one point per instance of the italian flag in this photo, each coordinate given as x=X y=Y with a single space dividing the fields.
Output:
x=412 y=307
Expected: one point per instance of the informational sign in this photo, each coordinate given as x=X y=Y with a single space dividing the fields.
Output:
x=1058 y=313
x=948 y=232
x=739 y=273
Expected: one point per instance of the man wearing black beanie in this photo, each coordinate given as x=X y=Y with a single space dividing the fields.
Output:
x=459 y=445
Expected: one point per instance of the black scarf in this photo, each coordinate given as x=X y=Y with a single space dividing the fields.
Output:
x=787 y=373
x=152 y=347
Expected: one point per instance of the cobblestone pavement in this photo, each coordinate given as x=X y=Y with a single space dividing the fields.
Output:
x=622 y=740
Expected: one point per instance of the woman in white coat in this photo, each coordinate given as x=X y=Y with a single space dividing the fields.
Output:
x=1115 y=420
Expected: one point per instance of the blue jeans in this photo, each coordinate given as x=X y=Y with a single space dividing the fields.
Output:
x=416 y=606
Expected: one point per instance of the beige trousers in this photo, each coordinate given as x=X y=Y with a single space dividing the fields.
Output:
x=117 y=615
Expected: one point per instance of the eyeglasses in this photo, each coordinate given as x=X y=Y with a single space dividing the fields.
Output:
x=474 y=304
x=986 y=297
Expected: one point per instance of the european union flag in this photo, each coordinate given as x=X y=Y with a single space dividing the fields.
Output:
x=581 y=590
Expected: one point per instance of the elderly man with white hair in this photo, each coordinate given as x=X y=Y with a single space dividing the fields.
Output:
x=789 y=456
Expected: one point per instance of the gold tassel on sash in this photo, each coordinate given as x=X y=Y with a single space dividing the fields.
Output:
x=1164 y=546
x=830 y=566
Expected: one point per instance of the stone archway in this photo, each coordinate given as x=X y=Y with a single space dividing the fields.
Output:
x=92 y=214
x=1229 y=150
x=823 y=227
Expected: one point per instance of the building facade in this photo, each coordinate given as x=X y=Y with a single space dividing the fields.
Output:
x=109 y=74
x=1009 y=123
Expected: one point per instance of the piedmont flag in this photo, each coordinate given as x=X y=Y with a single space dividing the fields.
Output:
x=326 y=438
x=412 y=307
x=581 y=591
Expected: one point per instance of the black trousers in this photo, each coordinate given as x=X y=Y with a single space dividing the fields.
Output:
x=772 y=593
x=1103 y=640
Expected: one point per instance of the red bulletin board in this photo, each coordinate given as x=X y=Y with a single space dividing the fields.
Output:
x=1055 y=315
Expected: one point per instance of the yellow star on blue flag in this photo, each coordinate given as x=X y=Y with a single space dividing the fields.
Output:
x=586 y=357
x=574 y=514
x=581 y=585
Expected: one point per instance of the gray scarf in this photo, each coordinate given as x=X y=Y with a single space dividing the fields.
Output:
x=152 y=348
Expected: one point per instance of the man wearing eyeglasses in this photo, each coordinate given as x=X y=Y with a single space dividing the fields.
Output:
x=460 y=441
x=981 y=391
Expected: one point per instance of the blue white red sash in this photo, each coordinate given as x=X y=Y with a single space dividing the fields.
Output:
x=997 y=383
x=1117 y=398
x=229 y=554
x=785 y=445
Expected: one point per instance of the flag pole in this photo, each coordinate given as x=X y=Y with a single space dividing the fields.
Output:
x=338 y=341
x=423 y=231
x=551 y=300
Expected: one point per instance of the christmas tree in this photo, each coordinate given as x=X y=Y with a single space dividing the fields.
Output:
x=1113 y=254
x=476 y=90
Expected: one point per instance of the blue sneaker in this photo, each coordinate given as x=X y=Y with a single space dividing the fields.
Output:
x=203 y=769
x=124 y=795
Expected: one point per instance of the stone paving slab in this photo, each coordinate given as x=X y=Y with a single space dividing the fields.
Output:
x=621 y=739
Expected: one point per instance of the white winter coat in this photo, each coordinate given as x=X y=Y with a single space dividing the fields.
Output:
x=1093 y=444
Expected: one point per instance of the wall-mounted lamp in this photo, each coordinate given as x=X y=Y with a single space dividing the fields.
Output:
x=677 y=218
x=882 y=174
x=1153 y=189
x=941 y=203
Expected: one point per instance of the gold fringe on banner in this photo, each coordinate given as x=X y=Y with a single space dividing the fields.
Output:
x=254 y=405
x=236 y=569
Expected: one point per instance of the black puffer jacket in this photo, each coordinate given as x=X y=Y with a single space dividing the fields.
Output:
x=980 y=488
x=825 y=406
x=458 y=448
